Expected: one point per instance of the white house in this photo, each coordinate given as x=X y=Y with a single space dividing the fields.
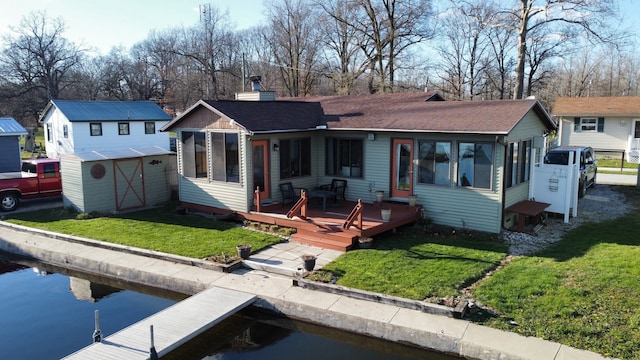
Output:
x=82 y=126
x=605 y=123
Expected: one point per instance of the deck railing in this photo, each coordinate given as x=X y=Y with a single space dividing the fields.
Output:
x=355 y=214
x=300 y=206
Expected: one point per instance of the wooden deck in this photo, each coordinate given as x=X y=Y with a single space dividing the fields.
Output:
x=325 y=228
x=172 y=327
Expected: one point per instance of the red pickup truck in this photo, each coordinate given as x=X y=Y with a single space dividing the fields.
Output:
x=38 y=178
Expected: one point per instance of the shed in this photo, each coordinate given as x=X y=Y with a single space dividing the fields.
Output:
x=10 y=133
x=117 y=180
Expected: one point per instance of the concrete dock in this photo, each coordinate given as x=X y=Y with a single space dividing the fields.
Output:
x=275 y=292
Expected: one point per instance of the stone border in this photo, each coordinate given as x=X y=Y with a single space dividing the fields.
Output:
x=435 y=309
x=226 y=268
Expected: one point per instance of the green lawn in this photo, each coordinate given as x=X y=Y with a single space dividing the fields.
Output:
x=615 y=163
x=582 y=292
x=416 y=266
x=159 y=229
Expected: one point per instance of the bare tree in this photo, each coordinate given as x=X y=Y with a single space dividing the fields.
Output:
x=385 y=30
x=295 y=43
x=466 y=47
x=37 y=63
x=547 y=16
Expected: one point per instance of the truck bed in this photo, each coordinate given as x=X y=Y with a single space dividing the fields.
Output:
x=17 y=175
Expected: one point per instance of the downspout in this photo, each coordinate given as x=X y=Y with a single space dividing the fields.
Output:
x=504 y=180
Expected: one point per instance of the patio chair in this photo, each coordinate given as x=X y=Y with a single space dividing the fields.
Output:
x=338 y=186
x=290 y=194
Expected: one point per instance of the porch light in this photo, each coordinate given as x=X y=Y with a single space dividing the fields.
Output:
x=371 y=136
x=276 y=147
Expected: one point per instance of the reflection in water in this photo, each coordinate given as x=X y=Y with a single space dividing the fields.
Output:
x=252 y=334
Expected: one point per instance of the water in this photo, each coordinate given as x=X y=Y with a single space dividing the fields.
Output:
x=47 y=315
x=48 y=312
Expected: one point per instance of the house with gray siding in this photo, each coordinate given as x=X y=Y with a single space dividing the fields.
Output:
x=467 y=161
x=607 y=124
x=10 y=133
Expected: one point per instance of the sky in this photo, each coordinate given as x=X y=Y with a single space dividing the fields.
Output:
x=104 y=24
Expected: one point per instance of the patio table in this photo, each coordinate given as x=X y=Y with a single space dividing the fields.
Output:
x=324 y=194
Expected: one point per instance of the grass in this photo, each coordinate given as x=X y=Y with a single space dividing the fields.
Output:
x=415 y=266
x=39 y=140
x=159 y=229
x=581 y=292
x=615 y=163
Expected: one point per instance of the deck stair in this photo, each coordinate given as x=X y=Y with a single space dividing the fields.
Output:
x=327 y=237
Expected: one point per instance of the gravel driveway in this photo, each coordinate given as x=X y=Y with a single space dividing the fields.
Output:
x=601 y=203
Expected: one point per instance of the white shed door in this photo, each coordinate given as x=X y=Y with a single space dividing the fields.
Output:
x=129 y=183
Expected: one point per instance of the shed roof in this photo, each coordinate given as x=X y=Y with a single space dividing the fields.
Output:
x=9 y=126
x=108 y=110
x=597 y=106
x=119 y=154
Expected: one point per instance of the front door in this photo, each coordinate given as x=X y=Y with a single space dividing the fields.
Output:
x=402 y=168
x=260 y=159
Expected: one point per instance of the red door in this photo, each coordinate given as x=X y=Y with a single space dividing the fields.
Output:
x=402 y=168
x=260 y=159
x=129 y=183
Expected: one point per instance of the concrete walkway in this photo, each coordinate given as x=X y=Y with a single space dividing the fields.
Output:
x=276 y=292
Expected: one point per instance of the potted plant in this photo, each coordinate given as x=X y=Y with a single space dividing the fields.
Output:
x=379 y=195
x=244 y=251
x=309 y=262
x=412 y=199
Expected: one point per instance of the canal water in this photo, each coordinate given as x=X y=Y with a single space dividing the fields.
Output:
x=47 y=312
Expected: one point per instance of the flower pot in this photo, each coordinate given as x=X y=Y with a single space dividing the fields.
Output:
x=244 y=251
x=309 y=262
x=413 y=199
x=379 y=195
x=386 y=214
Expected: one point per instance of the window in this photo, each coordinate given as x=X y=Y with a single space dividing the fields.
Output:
x=636 y=131
x=65 y=131
x=588 y=124
x=475 y=164
x=49 y=133
x=149 y=127
x=295 y=158
x=518 y=163
x=49 y=170
x=194 y=154
x=225 y=157
x=96 y=129
x=434 y=162
x=344 y=157
x=123 y=128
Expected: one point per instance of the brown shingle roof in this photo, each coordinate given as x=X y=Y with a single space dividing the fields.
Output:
x=597 y=106
x=410 y=112
x=263 y=116
x=390 y=112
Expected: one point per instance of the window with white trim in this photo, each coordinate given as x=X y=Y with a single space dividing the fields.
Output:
x=475 y=164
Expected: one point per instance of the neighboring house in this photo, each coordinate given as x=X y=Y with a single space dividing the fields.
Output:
x=81 y=126
x=467 y=161
x=605 y=123
x=10 y=133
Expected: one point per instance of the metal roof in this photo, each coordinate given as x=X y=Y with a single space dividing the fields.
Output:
x=120 y=154
x=110 y=110
x=9 y=126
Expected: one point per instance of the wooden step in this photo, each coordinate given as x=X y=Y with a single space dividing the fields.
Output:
x=340 y=241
